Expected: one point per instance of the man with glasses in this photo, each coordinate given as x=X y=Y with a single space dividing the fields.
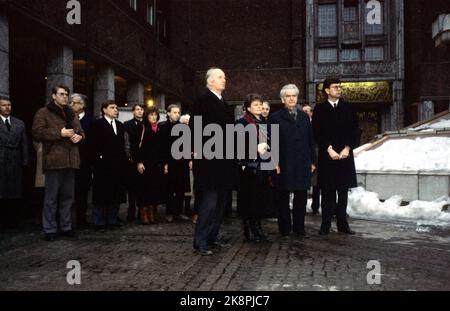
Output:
x=60 y=132
x=336 y=131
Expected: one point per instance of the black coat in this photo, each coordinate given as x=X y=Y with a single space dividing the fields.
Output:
x=178 y=177
x=86 y=123
x=13 y=156
x=254 y=190
x=215 y=174
x=133 y=127
x=296 y=150
x=108 y=157
x=337 y=127
x=151 y=188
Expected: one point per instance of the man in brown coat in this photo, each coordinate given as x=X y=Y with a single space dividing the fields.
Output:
x=60 y=132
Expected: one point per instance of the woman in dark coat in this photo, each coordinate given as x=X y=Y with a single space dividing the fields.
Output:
x=151 y=159
x=254 y=195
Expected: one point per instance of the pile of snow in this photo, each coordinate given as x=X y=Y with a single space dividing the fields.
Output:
x=441 y=124
x=367 y=205
x=419 y=154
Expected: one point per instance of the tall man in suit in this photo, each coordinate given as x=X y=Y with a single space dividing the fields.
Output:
x=212 y=177
x=13 y=157
x=132 y=128
x=83 y=177
x=106 y=144
x=335 y=126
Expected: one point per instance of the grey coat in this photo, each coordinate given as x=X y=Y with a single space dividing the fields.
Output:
x=13 y=156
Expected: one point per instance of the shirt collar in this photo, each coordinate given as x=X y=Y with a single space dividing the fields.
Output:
x=109 y=119
x=4 y=119
x=332 y=104
x=81 y=115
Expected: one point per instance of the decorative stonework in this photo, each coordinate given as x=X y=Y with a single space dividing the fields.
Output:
x=363 y=92
x=355 y=68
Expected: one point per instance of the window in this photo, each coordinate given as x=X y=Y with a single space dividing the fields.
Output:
x=351 y=55
x=350 y=14
x=327 y=55
x=374 y=53
x=133 y=4
x=374 y=29
x=327 y=20
x=150 y=13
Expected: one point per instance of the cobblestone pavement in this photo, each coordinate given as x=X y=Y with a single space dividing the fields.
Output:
x=160 y=257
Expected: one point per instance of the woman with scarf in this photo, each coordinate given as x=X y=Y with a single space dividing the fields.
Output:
x=151 y=158
x=254 y=195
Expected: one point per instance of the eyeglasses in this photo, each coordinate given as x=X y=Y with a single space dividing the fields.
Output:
x=63 y=94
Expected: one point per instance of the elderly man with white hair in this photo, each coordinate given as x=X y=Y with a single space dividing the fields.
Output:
x=296 y=154
x=212 y=177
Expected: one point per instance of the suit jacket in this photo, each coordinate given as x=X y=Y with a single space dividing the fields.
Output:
x=337 y=127
x=13 y=156
x=296 y=148
x=133 y=127
x=108 y=158
x=214 y=174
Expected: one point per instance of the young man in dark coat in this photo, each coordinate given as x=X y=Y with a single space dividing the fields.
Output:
x=336 y=131
x=108 y=157
x=297 y=156
x=178 y=170
x=83 y=177
x=213 y=178
x=132 y=128
x=13 y=157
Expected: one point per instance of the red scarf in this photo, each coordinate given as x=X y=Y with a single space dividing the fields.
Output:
x=154 y=127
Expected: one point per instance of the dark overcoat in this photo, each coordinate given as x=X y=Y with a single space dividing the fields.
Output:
x=212 y=174
x=296 y=150
x=336 y=127
x=109 y=160
x=13 y=156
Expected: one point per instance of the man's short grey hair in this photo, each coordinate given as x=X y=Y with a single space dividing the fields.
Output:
x=82 y=98
x=209 y=74
x=289 y=87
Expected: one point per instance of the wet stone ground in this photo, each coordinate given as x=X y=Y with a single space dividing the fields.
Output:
x=160 y=257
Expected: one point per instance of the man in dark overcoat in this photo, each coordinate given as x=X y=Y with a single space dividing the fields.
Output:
x=109 y=159
x=335 y=126
x=213 y=178
x=296 y=155
x=13 y=157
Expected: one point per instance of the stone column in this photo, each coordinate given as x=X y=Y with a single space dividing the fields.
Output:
x=59 y=69
x=386 y=119
x=4 y=56
x=426 y=110
x=104 y=89
x=135 y=93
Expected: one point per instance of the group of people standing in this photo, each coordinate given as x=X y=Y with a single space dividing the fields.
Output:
x=135 y=157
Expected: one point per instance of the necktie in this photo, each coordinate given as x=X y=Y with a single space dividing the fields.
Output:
x=8 y=125
x=113 y=127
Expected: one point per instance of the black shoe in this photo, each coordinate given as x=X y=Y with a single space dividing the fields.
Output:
x=69 y=234
x=204 y=252
x=315 y=212
x=217 y=244
x=101 y=229
x=347 y=231
x=50 y=237
x=324 y=232
x=301 y=233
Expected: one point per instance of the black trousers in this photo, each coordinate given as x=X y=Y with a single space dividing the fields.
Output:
x=211 y=209
x=11 y=210
x=83 y=180
x=174 y=205
x=297 y=224
x=315 y=199
x=330 y=206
